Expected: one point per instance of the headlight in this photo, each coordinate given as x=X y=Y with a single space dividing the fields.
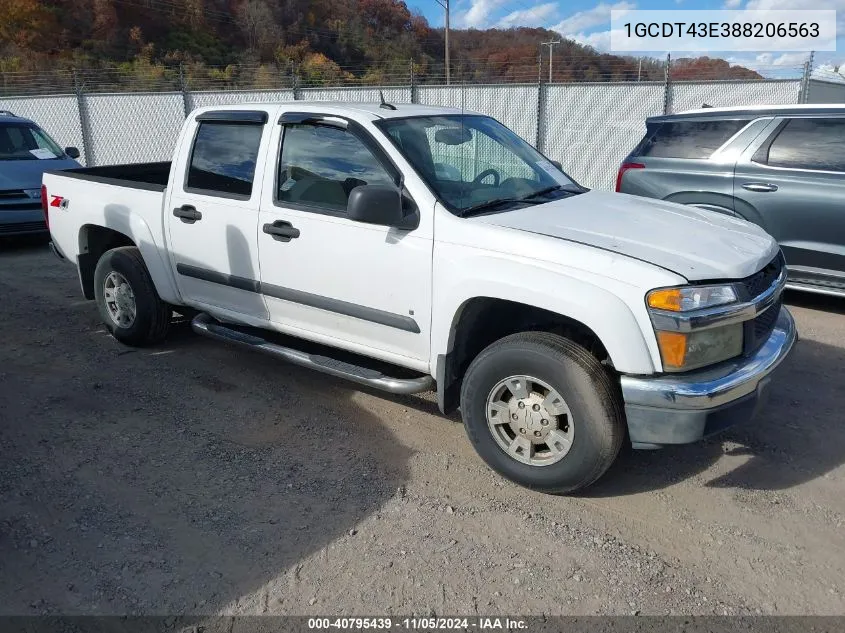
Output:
x=687 y=298
x=681 y=351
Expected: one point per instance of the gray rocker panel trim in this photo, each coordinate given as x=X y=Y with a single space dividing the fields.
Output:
x=328 y=304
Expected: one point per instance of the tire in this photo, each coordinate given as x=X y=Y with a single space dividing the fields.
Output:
x=151 y=317
x=594 y=420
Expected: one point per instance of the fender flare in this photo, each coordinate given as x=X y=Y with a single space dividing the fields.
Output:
x=600 y=309
x=137 y=231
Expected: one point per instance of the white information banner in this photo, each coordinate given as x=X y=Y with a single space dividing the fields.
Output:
x=717 y=30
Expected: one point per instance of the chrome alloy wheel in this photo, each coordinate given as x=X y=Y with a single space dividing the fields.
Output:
x=530 y=421
x=119 y=299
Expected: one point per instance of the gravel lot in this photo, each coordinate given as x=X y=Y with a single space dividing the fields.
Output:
x=194 y=478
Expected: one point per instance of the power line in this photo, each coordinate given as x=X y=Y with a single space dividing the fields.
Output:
x=170 y=6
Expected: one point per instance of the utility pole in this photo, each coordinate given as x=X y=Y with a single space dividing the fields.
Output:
x=445 y=5
x=551 y=46
x=540 y=64
x=805 y=81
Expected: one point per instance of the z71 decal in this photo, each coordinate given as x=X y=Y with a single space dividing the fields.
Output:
x=59 y=201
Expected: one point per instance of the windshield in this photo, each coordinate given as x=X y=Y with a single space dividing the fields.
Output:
x=25 y=141
x=474 y=163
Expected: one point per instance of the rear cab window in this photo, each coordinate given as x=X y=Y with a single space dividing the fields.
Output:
x=224 y=155
x=687 y=139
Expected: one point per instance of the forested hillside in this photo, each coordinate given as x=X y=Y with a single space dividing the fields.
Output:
x=321 y=41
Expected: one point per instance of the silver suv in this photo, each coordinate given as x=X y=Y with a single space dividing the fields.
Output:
x=781 y=167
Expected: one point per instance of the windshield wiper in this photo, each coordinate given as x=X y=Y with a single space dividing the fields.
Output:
x=543 y=192
x=490 y=204
x=529 y=199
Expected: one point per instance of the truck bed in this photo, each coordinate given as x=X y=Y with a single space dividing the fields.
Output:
x=125 y=199
x=147 y=176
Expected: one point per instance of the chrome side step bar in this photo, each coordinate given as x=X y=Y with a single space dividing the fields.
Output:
x=208 y=326
x=815 y=289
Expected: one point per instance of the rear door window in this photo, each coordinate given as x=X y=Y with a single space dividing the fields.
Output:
x=817 y=144
x=223 y=159
x=689 y=139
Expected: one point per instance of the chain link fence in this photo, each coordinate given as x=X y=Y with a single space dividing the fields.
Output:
x=687 y=95
x=591 y=128
x=514 y=105
x=204 y=99
x=132 y=128
x=588 y=127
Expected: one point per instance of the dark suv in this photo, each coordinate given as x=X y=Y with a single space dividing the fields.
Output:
x=782 y=167
x=26 y=152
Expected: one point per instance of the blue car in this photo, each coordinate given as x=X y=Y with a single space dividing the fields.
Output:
x=26 y=152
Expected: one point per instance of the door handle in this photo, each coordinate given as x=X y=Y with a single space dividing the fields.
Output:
x=281 y=231
x=187 y=214
x=760 y=187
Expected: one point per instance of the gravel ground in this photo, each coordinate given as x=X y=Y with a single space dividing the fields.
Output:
x=194 y=478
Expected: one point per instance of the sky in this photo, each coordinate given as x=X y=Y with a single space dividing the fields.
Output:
x=588 y=22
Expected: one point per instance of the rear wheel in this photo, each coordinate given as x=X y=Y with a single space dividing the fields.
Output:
x=542 y=411
x=127 y=299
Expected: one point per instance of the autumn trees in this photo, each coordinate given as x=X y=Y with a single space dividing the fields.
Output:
x=321 y=41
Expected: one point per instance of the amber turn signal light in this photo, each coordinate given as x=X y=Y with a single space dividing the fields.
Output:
x=673 y=348
x=668 y=299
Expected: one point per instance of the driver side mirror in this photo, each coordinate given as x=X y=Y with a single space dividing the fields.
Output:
x=72 y=152
x=382 y=205
x=557 y=164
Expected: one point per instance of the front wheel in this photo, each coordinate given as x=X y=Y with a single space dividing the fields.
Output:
x=127 y=299
x=543 y=412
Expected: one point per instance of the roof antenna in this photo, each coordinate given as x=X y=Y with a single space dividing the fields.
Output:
x=706 y=105
x=384 y=104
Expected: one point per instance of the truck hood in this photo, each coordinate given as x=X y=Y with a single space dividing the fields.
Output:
x=689 y=241
x=26 y=174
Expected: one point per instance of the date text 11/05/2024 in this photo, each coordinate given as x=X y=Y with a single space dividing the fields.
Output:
x=422 y=623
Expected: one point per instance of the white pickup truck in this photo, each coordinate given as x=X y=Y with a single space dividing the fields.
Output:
x=412 y=248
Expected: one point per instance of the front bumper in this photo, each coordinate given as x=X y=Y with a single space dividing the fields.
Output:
x=683 y=408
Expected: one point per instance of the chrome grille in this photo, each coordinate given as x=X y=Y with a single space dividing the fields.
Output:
x=758 y=330
x=18 y=205
x=765 y=323
x=13 y=194
x=758 y=283
x=22 y=227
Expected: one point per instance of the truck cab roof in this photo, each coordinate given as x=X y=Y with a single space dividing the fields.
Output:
x=370 y=111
